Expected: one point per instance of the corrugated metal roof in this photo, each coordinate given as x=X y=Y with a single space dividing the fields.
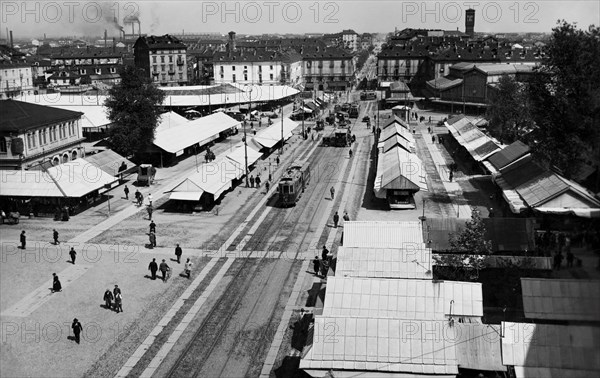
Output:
x=73 y=179
x=479 y=145
x=396 y=130
x=569 y=350
x=401 y=298
x=177 y=138
x=400 y=169
x=561 y=299
x=388 y=345
x=508 y=155
x=384 y=262
x=381 y=234
x=478 y=346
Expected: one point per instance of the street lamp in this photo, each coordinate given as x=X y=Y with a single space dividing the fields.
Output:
x=245 y=136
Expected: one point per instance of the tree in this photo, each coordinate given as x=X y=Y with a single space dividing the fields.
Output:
x=509 y=112
x=468 y=249
x=565 y=99
x=134 y=108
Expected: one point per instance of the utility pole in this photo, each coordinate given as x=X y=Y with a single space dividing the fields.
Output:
x=246 y=138
x=282 y=141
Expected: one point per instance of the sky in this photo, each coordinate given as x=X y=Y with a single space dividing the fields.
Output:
x=31 y=19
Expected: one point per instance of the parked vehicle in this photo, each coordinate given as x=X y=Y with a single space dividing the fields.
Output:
x=366 y=119
x=338 y=138
x=146 y=173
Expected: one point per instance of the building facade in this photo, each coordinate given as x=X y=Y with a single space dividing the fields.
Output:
x=32 y=134
x=163 y=58
x=328 y=69
x=15 y=79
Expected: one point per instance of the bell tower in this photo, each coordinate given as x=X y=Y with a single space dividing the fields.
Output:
x=470 y=22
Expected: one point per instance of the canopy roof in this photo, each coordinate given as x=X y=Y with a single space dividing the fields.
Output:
x=200 y=130
x=400 y=170
x=73 y=179
x=414 y=262
x=272 y=134
x=383 y=234
x=238 y=155
x=110 y=162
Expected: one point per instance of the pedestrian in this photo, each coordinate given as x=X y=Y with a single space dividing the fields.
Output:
x=429 y=129
x=152 y=226
x=150 y=198
x=56 y=286
x=23 y=239
x=433 y=139
x=324 y=253
x=441 y=140
x=108 y=298
x=77 y=328
x=137 y=195
x=126 y=190
x=429 y=119
x=267 y=186
x=149 y=209
x=188 y=268
x=257 y=181
x=55 y=236
x=152 y=237
x=336 y=219
x=73 y=255
x=316 y=265
x=178 y=253
x=332 y=191
x=118 y=302
x=251 y=181
x=140 y=199
x=324 y=268
x=277 y=160
x=451 y=175
x=570 y=258
x=163 y=269
x=346 y=217
x=153 y=267
x=116 y=290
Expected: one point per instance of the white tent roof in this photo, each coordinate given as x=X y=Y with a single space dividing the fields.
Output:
x=169 y=120
x=200 y=131
x=215 y=178
x=381 y=234
x=238 y=155
x=384 y=262
x=73 y=179
x=272 y=134
x=260 y=93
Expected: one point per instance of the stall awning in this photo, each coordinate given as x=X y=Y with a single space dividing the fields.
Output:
x=214 y=178
x=272 y=135
x=73 y=179
x=111 y=162
x=186 y=196
x=238 y=155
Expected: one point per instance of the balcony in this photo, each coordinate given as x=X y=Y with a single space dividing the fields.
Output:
x=155 y=73
x=180 y=62
x=171 y=72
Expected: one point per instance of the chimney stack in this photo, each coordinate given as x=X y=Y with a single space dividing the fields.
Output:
x=114 y=45
x=105 y=37
x=11 y=40
x=231 y=43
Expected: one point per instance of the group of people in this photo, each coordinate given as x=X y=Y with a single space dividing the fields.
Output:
x=115 y=296
x=336 y=218
x=321 y=266
x=254 y=180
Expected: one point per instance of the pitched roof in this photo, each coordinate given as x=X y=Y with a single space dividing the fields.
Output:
x=18 y=116
x=508 y=155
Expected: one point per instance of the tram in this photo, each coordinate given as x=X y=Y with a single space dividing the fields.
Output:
x=293 y=182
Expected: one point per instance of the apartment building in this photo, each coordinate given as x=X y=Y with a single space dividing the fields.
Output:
x=163 y=58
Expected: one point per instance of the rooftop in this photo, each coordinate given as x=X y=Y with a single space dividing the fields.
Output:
x=19 y=116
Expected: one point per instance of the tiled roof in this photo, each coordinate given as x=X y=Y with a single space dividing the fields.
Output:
x=508 y=155
x=161 y=42
x=18 y=116
x=561 y=299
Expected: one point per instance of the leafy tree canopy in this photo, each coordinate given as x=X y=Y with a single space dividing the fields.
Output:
x=471 y=239
x=565 y=98
x=134 y=108
x=509 y=111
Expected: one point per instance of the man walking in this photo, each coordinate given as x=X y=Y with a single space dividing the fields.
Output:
x=73 y=255
x=251 y=181
x=149 y=209
x=23 y=239
x=332 y=191
x=152 y=240
x=267 y=186
x=77 y=328
x=108 y=298
x=257 y=180
x=126 y=190
x=433 y=139
x=336 y=219
x=346 y=217
x=152 y=226
x=178 y=253
x=324 y=253
x=316 y=265
x=56 y=286
x=153 y=267
x=118 y=302
x=55 y=236
x=188 y=268
x=163 y=269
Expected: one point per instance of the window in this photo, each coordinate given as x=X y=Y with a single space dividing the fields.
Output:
x=114 y=70
x=271 y=76
x=98 y=71
x=180 y=76
x=33 y=139
x=82 y=72
x=162 y=67
x=44 y=132
x=154 y=59
x=3 y=148
x=233 y=68
x=170 y=58
x=246 y=67
x=271 y=67
x=162 y=59
x=40 y=136
x=245 y=77
x=233 y=78
x=29 y=145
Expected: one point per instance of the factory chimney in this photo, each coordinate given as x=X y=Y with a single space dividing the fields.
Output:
x=231 y=43
x=105 y=37
x=11 y=40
